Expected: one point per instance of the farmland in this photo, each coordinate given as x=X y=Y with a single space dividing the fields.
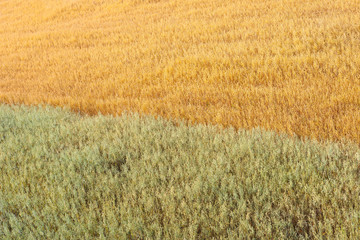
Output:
x=66 y=176
x=287 y=66
x=169 y=119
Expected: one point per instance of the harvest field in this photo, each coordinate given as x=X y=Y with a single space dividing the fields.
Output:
x=285 y=65
x=180 y=119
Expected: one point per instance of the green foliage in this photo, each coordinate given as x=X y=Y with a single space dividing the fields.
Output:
x=66 y=176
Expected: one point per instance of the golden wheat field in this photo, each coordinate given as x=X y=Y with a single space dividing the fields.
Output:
x=287 y=65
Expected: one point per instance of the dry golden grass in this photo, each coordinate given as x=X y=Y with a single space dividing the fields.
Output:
x=286 y=65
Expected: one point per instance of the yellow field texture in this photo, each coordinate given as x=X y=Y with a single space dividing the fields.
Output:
x=286 y=65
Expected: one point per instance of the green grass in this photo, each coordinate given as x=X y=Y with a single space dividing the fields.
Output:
x=66 y=176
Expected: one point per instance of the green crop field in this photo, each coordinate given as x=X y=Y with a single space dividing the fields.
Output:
x=68 y=176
